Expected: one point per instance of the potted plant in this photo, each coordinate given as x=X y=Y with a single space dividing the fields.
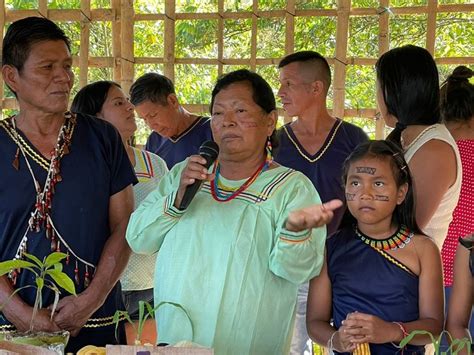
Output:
x=146 y=311
x=48 y=274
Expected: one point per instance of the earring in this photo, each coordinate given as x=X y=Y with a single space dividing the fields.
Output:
x=269 y=150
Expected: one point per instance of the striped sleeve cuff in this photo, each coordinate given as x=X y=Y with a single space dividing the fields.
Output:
x=295 y=237
x=169 y=209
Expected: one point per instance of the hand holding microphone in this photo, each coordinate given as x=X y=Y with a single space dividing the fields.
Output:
x=195 y=173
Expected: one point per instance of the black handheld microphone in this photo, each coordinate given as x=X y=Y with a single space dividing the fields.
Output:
x=209 y=150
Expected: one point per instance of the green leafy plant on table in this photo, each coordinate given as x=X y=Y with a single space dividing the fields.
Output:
x=145 y=311
x=456 y=346
x=48 y=274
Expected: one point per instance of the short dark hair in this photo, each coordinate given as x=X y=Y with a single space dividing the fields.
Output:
x=409 y=82
x=382 y=149
x=23 y=34
x=262 y=93
x=457 y=96
x=91 y=98
x=152 y=87
x=320 y=63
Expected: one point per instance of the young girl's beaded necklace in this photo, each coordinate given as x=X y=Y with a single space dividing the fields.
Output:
x=398 y=240
x=41 y=215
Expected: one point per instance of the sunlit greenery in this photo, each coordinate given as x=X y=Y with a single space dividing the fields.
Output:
x=198 y=38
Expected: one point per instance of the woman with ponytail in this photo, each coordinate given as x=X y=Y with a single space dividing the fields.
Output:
x=408 y=100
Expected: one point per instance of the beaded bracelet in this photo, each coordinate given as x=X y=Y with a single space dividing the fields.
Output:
x=404 y=332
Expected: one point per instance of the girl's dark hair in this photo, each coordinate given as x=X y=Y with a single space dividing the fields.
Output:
x=457 y=96
x=409 y=82
x=91 y=98
x=380 y=149
x=262 y=93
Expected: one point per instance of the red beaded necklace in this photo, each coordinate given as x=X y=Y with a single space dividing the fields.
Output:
x=220 y=197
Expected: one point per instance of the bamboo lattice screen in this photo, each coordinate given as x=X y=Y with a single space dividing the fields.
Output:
x=123 y=18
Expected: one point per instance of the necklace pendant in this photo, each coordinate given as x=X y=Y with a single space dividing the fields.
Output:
x=76 y=274
x=58 y=178
x=86 y=278
x=16 y=160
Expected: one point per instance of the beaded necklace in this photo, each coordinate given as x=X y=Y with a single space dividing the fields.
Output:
x=220 y=197
x=396 y=241
x=41 y=214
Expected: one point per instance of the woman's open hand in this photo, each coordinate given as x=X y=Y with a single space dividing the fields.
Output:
x=312 y=217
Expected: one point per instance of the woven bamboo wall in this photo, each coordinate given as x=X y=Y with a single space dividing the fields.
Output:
x=122 y=18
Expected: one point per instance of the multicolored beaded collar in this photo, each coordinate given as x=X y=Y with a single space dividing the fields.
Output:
x=396 y=241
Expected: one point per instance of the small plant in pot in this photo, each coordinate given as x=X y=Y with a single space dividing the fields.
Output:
x=47 y=274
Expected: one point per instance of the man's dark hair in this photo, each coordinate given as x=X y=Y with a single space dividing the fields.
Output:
x=320 y=68
x=408 y=79
x=152 y=87
x=23 y=34
x=91 y=98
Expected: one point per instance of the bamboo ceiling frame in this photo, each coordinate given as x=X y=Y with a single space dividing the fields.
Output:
x=122 y=16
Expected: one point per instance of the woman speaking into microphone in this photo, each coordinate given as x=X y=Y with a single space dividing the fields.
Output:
x=233 y=256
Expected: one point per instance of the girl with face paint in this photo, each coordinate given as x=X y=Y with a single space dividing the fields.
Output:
x=382 y=278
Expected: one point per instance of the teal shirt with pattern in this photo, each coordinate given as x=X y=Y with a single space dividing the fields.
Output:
x=232 y=265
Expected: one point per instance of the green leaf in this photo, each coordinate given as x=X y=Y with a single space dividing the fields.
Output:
x=54 y=258
x=9 y=265
x=119 y=314
x=177 y=305
x=58 y=267
x=34 y=259
x=62 y=280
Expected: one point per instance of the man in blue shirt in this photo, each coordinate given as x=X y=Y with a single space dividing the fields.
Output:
x=177 y=133
x=316 y=144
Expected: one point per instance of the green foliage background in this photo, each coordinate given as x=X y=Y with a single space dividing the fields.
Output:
x=198 y=39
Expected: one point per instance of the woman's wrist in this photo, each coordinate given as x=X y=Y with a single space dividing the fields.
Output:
x=399 y=331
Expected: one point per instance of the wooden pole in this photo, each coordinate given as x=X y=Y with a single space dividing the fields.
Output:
x=116 y=41
x=220 y=37
x=253 y=39
x=84 y=48
x=126 y=46
x=343 y=9
x=431 y=26
x=384 y=42
x=169 y=53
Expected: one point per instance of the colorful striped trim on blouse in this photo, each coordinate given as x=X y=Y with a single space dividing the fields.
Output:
x=144 y=166
x=295 y=237
x=254 y=196
x=169 y=209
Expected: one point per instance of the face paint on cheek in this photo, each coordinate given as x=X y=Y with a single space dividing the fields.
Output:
x=381 y=198
x=249 y=124
x=350 y=197
x=365 y=170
